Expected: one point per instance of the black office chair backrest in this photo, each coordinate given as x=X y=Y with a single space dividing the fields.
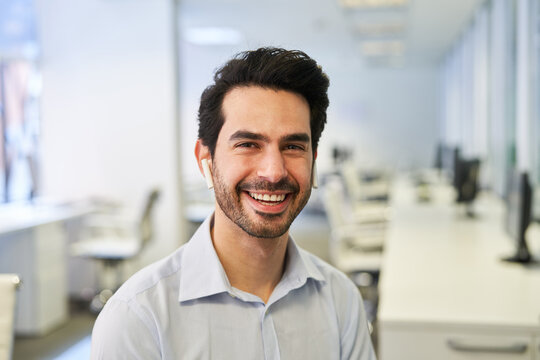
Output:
x=146 y=226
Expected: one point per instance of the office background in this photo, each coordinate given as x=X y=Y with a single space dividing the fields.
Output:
x=117 y=85
x=109 y=83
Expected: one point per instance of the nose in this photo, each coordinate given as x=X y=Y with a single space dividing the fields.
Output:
x=272 y=166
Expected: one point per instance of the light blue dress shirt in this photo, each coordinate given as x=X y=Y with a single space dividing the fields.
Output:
x=183 y=307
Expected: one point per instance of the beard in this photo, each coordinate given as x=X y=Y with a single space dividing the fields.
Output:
x=266 y=225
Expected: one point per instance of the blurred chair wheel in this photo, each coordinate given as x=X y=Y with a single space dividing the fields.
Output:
x=99 y=301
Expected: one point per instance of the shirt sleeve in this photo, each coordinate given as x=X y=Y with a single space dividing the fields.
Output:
x=121 y=333
x=355 y=338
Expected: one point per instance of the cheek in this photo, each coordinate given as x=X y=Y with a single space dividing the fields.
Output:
x=301 y=172
x=232 y=172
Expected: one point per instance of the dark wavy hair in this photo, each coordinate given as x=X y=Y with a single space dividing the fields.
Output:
x=272 y=68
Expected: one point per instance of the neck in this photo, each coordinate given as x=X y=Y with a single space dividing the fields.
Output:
x=254 y=265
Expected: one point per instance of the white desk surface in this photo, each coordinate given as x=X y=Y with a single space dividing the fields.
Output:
x=17 y=217
x=440 y=267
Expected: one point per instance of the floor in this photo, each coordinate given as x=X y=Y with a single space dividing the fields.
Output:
x=61 y=343
x=72 y=340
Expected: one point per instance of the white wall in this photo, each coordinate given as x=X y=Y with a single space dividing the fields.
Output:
x=197 y=67
x=108 y=107
x=388 y=116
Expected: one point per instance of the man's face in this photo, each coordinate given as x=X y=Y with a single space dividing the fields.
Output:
x=263 y=159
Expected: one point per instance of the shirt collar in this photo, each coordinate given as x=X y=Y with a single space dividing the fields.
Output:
x=203 y=275
x=299 y=265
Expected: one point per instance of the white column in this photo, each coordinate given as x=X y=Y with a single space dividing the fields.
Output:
x=523 y=86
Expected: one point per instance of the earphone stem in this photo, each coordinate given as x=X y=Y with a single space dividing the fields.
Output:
x=314 y=179
x=207 y=173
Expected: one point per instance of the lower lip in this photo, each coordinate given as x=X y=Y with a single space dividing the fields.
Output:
x=269 y=209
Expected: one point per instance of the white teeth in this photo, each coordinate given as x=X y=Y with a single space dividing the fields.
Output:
x=266 y=197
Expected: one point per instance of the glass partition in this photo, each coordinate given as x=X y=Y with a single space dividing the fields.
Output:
x=20 y=88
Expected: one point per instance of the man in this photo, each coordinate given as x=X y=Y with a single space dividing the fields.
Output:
x=241 y=288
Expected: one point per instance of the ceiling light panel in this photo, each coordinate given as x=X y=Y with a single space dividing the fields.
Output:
x=213 y=36
x=383 y=48
x=372 y=4
x=380 y=29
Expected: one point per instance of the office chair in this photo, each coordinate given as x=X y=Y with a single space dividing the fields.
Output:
x=369 y=199
x=9 y=283
x=354 y=246
x=111 y=242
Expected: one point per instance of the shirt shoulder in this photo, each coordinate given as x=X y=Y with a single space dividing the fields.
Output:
x=164 y=272
x=130 y=308
x=110 y=340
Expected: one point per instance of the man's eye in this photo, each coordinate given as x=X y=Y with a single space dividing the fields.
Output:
x=246 y=145
x=294 y=147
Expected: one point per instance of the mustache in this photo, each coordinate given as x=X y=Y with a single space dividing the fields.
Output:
x=263 y=185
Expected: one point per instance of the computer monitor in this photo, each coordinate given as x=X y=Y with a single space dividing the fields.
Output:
x=439 y=153
x=340 y=154
x=450 y=156
x=466 y=173
x=518 y=214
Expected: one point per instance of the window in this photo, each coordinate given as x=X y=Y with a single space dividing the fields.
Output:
x=19 y=101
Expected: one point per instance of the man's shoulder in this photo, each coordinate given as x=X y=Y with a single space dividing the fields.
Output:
x=164 y=272
x=133 y=307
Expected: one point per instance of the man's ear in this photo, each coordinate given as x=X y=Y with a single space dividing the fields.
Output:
x=201 y=152
x=204 y=160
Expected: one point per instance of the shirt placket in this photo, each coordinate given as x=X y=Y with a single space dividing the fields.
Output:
x=269 y=336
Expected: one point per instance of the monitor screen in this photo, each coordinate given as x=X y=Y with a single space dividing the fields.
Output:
x=450 y=156
x=518 y=213
x=439 y=154
x=466 y=179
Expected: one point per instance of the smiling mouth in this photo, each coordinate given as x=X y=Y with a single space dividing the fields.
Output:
x=267 y=199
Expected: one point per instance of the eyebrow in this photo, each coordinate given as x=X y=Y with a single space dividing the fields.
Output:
x=244 y=134
x=300 y=137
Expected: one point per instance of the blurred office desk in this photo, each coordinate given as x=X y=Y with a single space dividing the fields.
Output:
x=445 y=293
x=32 y=245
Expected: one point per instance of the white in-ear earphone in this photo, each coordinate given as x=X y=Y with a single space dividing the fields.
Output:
x=207 y=173
x=314 y=179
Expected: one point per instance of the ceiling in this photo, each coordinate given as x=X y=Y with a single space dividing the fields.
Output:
x=421 y=32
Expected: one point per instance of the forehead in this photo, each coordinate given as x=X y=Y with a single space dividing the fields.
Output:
x=267 y=111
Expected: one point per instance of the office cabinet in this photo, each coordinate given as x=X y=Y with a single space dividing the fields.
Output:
x=37 y=255
x=446 y=344
x=33 y=245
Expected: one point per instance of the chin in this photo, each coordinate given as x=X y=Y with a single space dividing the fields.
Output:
x=266 y=233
